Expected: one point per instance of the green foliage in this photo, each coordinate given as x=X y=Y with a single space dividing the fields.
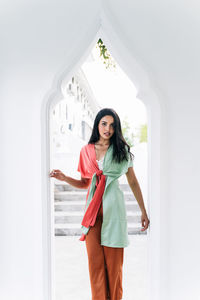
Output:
x=105 y=55
x=127 y=134
x=131 y=138
x=143 y=134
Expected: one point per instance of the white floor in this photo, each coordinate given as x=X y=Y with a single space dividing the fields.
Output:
x=71 y=269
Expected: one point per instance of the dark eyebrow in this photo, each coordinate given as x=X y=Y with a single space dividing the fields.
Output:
x=106 y=122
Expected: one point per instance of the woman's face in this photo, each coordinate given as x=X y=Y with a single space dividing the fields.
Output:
x=106 y=127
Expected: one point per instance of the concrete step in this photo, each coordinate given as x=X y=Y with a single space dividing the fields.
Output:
x=69 y=203
x=81 y=202
x=79 y=205
x=73 y=231
x=70 y=195
x=68 y=187
x=78 y=219
x=76 y=195
x=72 y=225
x=77 y=213
x=77 y=216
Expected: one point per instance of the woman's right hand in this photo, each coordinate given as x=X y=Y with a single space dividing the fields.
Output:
x=58 y=175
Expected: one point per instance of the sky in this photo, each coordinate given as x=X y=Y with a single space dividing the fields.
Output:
x=113 y=88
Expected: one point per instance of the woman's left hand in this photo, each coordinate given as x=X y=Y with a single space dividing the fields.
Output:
x=145 y=221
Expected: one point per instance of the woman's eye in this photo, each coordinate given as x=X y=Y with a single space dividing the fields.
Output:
x=104 y=124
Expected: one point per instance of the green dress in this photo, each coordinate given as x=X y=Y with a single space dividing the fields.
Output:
x=114 y=232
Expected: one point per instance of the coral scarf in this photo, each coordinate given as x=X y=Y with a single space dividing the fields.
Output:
x=89 y=168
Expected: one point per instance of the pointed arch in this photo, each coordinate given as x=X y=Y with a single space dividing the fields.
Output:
x=149 y=95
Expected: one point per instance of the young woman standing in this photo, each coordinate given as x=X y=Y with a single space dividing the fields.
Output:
x=102 y=161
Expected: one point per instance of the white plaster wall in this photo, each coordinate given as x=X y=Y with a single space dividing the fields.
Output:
x=41 y=42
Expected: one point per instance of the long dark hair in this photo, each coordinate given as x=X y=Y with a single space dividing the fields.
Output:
x=117 y=139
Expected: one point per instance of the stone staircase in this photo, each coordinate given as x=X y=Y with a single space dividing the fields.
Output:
x=70 y=203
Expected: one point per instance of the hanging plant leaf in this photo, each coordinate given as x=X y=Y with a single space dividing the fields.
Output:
x=105 y=55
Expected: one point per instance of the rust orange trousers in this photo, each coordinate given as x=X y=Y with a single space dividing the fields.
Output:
x=105 y=264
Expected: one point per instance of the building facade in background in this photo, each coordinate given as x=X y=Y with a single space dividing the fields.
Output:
x=72 y=122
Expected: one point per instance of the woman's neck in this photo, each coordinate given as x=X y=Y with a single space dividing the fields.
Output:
x=103 y=142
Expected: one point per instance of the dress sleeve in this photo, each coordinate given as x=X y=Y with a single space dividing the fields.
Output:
x=83 y=164
x=130 y=161
x=80 y=163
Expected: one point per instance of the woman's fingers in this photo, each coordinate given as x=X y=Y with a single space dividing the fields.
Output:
x=55 y=172
x=145 y=223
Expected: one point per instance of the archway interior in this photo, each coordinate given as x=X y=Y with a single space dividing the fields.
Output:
x=96 y=84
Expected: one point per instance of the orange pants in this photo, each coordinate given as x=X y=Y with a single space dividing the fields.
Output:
x=105 y=264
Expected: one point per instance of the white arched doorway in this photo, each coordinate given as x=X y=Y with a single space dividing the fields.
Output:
x=149 y=96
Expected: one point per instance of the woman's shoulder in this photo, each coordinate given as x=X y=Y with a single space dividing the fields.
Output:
x=86 y=148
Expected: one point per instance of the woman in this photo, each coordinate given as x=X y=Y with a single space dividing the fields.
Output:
x=102 y=161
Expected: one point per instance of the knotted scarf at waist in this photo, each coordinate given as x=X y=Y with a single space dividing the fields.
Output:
x=92 y=210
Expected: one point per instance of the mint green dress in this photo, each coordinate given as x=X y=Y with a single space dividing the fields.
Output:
x=114 y=232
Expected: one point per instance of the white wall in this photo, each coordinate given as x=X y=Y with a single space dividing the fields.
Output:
x=41 y=42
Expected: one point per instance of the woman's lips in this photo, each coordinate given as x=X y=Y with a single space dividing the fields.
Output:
x=107 y=134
